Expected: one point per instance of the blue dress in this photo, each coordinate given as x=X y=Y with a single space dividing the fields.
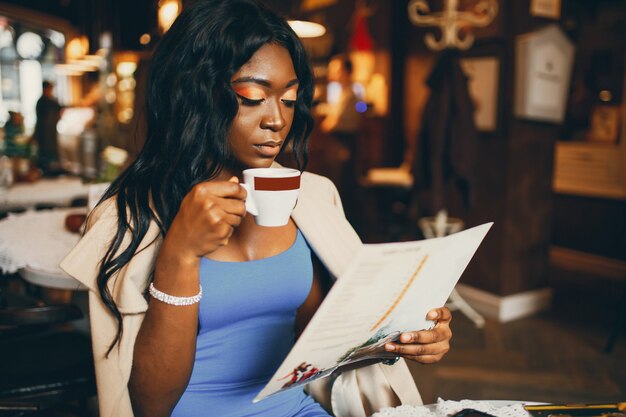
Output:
x=246 y=328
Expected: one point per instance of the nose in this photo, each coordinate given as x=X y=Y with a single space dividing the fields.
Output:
x=273 y=119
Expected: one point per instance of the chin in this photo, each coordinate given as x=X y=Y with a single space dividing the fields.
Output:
x=256 y=163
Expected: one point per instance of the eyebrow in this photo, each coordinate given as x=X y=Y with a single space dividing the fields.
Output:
x=262 y=81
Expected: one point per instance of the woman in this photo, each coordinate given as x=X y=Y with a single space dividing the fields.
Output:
x=229 y=88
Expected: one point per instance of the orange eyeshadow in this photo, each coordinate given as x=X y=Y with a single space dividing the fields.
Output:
x=251 y=93
x=291 y=94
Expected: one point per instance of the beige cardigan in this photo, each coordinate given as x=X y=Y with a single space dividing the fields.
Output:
x=319 y=216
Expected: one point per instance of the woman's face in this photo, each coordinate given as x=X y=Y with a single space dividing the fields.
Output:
x=266 y=87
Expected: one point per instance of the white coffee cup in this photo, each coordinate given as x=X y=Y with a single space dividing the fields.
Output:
x=272 y=194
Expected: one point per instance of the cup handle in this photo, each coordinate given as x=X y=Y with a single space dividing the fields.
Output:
x=250 y=204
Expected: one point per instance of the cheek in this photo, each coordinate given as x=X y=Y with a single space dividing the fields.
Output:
x=241 y=129
x=289 y=116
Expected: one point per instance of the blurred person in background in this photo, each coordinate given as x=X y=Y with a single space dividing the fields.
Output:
x=48 y=112
x=342 y=123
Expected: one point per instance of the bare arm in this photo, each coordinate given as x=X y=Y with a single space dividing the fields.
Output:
x=321 y=285
x=165 y=347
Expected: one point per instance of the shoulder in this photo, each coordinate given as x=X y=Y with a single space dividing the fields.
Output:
x=84 y=261
x=319 y=187
x=314 y=180
x=317 y=183
x=104 y=219
x=105 y=212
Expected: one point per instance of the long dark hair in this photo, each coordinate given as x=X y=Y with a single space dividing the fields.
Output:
x=189 y=108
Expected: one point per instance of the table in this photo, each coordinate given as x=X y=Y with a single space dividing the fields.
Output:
x=445 y=408
x=34 y=243
x=59 y=192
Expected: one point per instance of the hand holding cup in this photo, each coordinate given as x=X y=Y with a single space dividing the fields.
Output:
x=272 y=194
x=207 y=217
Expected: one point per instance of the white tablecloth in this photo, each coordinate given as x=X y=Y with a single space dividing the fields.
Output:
x=445 y=408
x=35 y=242
x=54 y=191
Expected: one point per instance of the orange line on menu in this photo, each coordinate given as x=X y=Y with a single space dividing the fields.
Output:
x=401 y=295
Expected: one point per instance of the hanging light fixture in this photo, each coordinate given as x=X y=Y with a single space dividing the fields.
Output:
x=168 y=12
x=303 y=28
x=306 y=29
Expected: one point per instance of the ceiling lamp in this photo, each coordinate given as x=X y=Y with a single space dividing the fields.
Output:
x=306 y=29
x=168 y=12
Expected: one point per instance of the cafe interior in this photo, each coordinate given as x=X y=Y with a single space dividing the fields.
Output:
x=460 y=112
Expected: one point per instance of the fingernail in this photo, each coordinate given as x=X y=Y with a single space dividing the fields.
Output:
x=405 y=338
x=432 y=315
x=389 y=347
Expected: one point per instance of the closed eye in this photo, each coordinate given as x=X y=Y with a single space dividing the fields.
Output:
x=290 y=96
x=288 y=103
x=250 y=102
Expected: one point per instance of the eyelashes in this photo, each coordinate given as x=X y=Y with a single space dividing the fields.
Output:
x=288 y=103
x=289 y=98
x=254 y=96
x=250 y=102
x=255 y=102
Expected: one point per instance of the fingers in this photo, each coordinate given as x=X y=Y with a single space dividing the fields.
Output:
x=423 y=353
x=225 y=189
x=228 y=196
x=217 y=215
x=440 y=314
x=233 y=206
x=426 y=346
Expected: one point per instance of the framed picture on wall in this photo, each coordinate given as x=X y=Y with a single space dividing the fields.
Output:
x=543 y=67
x=483 y=81
x=546 y=8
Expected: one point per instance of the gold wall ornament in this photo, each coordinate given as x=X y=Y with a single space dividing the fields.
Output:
x=450 y=21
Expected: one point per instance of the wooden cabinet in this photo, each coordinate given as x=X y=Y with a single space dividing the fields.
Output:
x=590 y=169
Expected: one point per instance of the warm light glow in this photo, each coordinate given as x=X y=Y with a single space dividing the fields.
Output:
x=168 y=12
x=363 y=63
x=145 y=39
x=77 y=48
x=605 y=95
x=306 y=29
x=68 y=69
x=111 y=80
x=126 y=69
x=115 y=156
x=85 y=65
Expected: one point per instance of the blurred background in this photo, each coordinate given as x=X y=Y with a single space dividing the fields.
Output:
x=430 y=115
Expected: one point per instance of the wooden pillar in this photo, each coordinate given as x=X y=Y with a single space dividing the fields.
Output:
x=514 y=185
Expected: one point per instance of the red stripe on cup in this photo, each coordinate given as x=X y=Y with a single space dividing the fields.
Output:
x=276 y=183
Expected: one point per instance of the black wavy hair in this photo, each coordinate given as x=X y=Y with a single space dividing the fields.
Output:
x=189 y=108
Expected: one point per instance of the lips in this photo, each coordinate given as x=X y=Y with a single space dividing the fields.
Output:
x=268 y=149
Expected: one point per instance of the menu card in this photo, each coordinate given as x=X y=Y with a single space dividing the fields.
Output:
x=388 y=289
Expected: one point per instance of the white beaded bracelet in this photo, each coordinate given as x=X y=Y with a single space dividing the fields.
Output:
x=172 y=299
